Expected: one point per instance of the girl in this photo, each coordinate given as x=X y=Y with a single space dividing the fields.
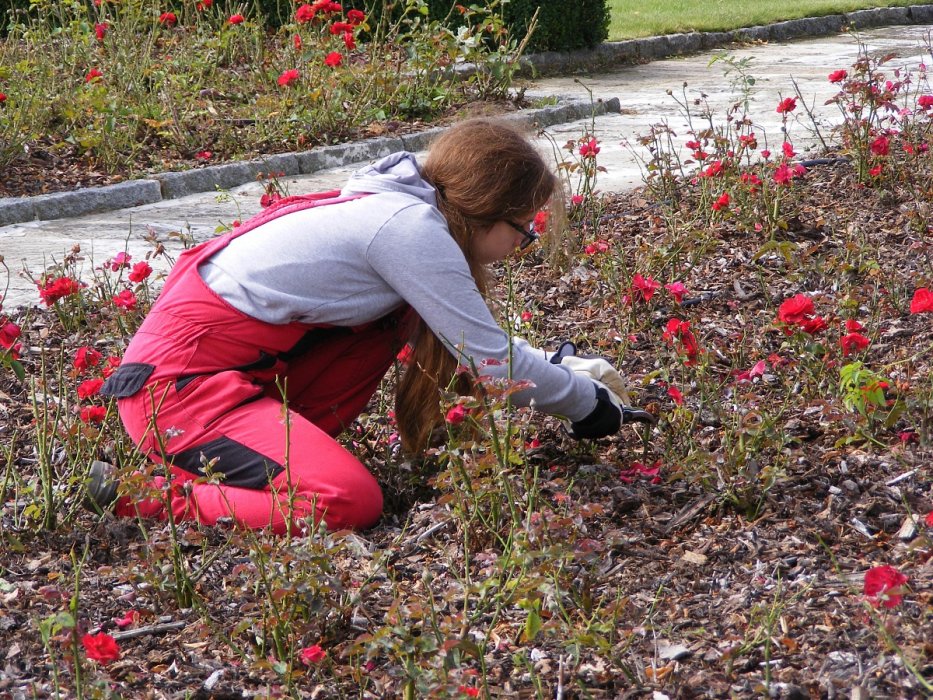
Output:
x=311 y=300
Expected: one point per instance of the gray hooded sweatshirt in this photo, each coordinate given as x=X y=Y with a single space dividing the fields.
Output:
x=351 y=263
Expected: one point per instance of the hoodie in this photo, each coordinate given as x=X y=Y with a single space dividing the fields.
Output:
x=354 y=262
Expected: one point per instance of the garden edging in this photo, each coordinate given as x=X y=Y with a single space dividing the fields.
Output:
x=614 y=53
x=171 y=185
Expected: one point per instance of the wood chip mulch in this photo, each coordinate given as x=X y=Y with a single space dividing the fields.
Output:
x=738 y=574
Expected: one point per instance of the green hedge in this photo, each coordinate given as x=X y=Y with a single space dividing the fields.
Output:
x=10 y=6
x=562 y=25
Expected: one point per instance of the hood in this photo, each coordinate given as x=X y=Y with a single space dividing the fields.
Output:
x=398 y=172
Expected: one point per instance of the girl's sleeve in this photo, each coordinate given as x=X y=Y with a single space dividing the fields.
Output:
x=415 y=255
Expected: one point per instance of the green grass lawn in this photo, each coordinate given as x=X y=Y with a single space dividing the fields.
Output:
x=636 y=18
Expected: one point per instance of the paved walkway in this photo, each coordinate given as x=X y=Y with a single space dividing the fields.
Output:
x=641 y=89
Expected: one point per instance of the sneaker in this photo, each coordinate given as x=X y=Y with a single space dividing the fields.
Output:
x=101 y=487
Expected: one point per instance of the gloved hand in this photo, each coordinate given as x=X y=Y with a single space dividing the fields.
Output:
x=605 y=419
x=592 y=366
x=608 y=416
x=611 y=411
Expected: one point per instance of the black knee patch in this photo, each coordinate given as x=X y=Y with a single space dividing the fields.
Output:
x=240 y=465
x=127 y=380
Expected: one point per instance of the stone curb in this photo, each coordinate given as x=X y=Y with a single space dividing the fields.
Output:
x=616 y=53
x=172 y=185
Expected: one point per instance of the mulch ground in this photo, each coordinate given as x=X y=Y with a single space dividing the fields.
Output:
x=699 y=586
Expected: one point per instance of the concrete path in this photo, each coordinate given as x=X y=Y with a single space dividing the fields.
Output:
x=641 y=89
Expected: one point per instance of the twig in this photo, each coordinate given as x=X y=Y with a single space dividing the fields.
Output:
x=431 y=530
x=560 y=679
x=899 y=479
x=160 y=628
x=809 y=112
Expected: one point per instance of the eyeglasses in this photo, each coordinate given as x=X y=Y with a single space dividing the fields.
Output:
x=529 y=234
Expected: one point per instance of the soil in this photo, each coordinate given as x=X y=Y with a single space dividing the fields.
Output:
x=738 y=576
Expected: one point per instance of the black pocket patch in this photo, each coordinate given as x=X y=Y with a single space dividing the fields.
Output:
x=127 y=380
x=240 y=465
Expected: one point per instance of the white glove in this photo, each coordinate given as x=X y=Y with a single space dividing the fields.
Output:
x=600 y=371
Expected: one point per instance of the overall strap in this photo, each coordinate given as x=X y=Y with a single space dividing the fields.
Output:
x=290 y=205
x=190 y=259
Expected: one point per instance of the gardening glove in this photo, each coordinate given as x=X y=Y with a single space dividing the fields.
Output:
x=605 y=419
x=592 y=366
x=608 y=416
x=611 y=395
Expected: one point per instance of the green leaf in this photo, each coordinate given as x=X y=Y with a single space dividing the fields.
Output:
x=532 y=624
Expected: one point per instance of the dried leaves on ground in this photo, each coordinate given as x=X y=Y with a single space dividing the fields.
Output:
x=721 y=556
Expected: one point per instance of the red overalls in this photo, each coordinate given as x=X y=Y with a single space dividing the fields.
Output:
x=201 y=390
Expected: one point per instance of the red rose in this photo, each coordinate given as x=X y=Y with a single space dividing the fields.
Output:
x=853 y=342
x=9 y=333
x=111 y=366
x=853 y=326
x=93 y=414
x=125 y=300
x=305 y=14
x=677 y=290
x=713 y=170
x=236 y=19
x=140 y=271
x=288 y=77
x=783 y=174
x=788 y=104
x=680 y=330
x=883 y=586
x=168 y=19
x=647 y=286
x=589 y=149
x=837 y=76
x=722 y=202
x=796 y=310
x=85 y=358
x=922 y=301
x=456 y=415
x=101 y=647
x=312 y=655
x=814 y=325
x=118 y=262
x=333 y=59
x=58 y=288
x=89 y=388
x=880 y=146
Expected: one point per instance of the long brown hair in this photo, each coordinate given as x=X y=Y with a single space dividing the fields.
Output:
x=484 y=171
